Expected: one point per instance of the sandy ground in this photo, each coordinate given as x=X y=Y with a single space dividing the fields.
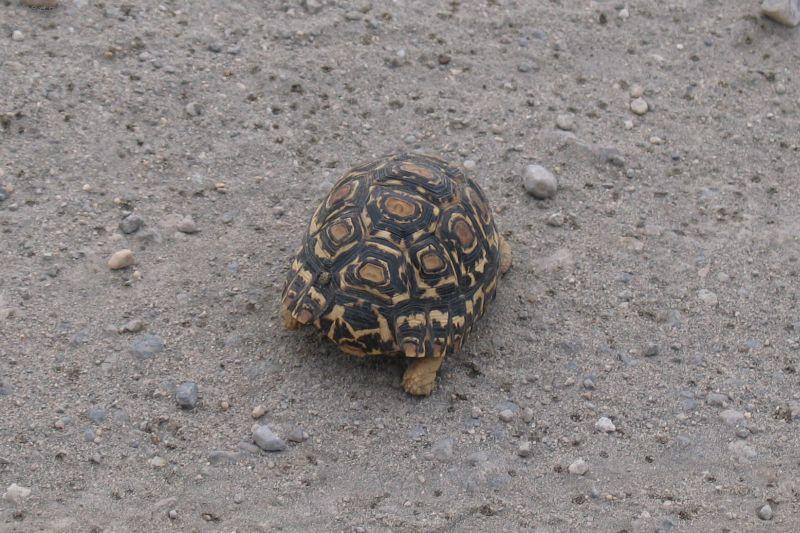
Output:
x=646 y=342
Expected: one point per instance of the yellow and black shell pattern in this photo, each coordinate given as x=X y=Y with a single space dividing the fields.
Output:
x=402 y=256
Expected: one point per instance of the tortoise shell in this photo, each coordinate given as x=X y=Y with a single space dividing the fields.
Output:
x=401 y=257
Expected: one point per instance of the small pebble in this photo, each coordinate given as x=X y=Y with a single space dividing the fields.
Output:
x=707 y=297
x=579 y=467
x=267 y=440
x=651 y=350
x=193 y=109
x=566 y=122
x=17 y=35
x=539 y=182
x=187 y=225
x=469 y=164
x=732 y=417
x=186 y=395
x=121 y=259
x=605 y=425
x=258 y=411
x=443 y=449
x=147 y=345
x=637 y=91
x=765 y=512
x=297 y=434
x=716 y=399
x=639 y=106
x=157 y=462
x=524 y=449
x=506 y=415
x=96 y=414
x=172 y=514
x=16 y=493
x=130 y=224
x=132 y=326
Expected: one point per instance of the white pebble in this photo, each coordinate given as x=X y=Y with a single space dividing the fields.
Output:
x=16 y=493
x=524 y=449
x=469 y=164
x=157 y=462
x=639 y=106
x=565 y=122
x=17 y=35
x=605 y=425
x=579 y=467
x=637 y=91
x=540 y=182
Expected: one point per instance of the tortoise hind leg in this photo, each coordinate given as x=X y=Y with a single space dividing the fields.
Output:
x=420 y=376
x=505 y=255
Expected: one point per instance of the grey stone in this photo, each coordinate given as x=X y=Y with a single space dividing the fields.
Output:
x=506 y=415
x=732 y=417
x=297 y=434
x=524 y=449
x=267 y=440
x=96 y=414
x=539 y=182
x=578 y=467
x=765 y=512
x=443 y=449
x=741 y=450
x=218 y=457
x=651 y=350
x=131 y=224
x=193 y=109
x=477 y=458
x=187 y=225
x=716 y=399
x=147 y=345
x=565 y=122
x=89 y=435
x=186 y=395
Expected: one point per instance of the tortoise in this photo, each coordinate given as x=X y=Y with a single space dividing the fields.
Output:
x=401 y=257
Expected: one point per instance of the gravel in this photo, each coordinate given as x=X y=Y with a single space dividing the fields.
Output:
x=127 y=99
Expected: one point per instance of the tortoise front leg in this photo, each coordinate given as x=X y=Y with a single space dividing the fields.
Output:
x=420 y=376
